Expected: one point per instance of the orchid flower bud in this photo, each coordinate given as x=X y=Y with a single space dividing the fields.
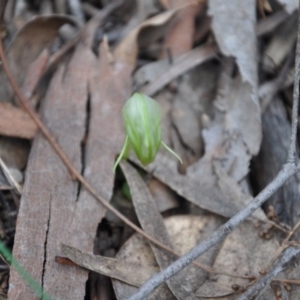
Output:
x=142 y=116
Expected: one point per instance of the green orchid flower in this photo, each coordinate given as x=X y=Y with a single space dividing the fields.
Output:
x=142 y=116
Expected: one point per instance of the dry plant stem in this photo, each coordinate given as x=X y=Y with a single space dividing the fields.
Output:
x=256 y=289
x=288 y=281
x=285 y=244
x=291 y=233
x=219 y=235
x=277 y=226
x=292 y=149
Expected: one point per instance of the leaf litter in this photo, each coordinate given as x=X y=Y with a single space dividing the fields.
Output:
x=207 y=85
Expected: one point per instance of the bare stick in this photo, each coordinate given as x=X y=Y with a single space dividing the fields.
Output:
x=292 y=150
x=256 y=289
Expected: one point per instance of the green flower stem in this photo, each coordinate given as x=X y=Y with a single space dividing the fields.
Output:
x=171 y=151
x=124 y=153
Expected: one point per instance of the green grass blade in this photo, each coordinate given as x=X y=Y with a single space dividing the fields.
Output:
x=26 y=276
x=171 y=151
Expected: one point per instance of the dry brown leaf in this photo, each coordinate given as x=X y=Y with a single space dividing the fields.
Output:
x=214 y=290
x=100 y=88
x=185 y=232
x=127 y=50
x=106 y=97
x=14 y=151
x=110 y=87
x=149 y=72
x=281 y=44
x=137 y=251
x=268 y=24
x=235 y=134
x=64 y=217
x=239 y=103
x=226 y=141
x=230 y=189
x=164 y=197
x=181 y=65
x=201 y=189
x=49 y=200
x=186 y=140
x=234 y=26
x=144 y=9
x=180 y=38
x=15 y=122
x=152 y=222
x=27 y=45
x=198 y=88
x=129 y=272
x=30 y=41
x=165 y=98
x=187 y=123
x=34 y=74
x=195 y=92
x=289 y=5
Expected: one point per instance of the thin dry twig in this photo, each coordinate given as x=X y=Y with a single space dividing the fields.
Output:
x=256 y=289
x=292 y=232
x=288 y=281
x=288 y=170
x=285 y=244
x=292 y=149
